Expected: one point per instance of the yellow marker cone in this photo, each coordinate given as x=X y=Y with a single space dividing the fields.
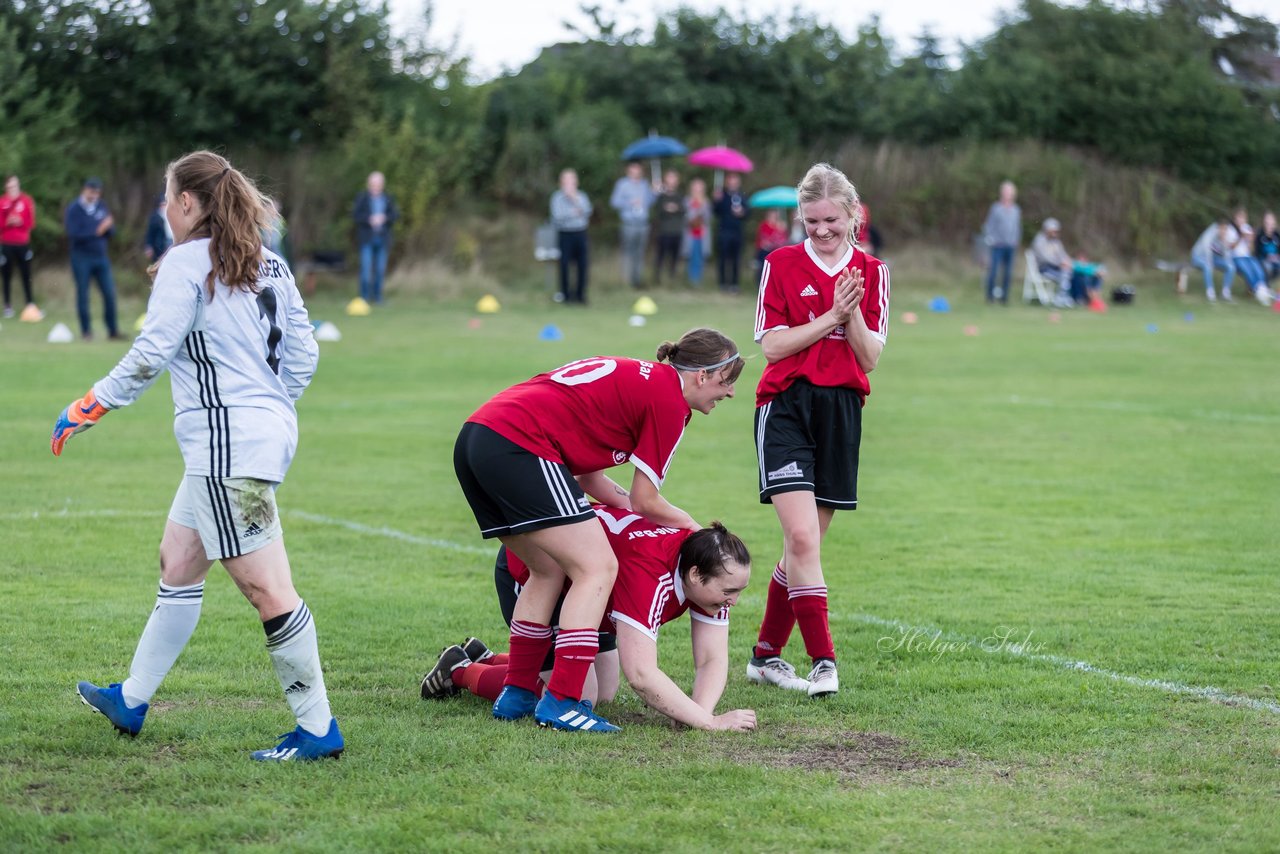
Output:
x=488 y=304
x=645 y=306
x=137 y=324
x=358 y=308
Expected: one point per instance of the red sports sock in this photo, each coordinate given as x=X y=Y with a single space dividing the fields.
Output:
x=529 y=645
x=810 y=607
x=575 y=650
x=498 y=658
x=779 y=618
x=483 y=680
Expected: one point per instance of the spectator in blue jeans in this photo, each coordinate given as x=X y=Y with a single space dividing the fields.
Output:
x=1002 y=232
x=632 y=198
x=375 y=212
x=1267 y=246
x=89 y=226
x=1213 y=250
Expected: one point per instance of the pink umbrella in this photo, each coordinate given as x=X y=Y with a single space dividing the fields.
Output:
x=722 y=157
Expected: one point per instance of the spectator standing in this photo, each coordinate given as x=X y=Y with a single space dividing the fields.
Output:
x=632 y=198
x=17 y=221
x=671 y=210
x=1002 y=232
x=697 y=236
x=570 y=214
x=89 y=226
x=731 y=211
x=1213 y=250
x=1267 y=246
x=375 y=212
x=159 y=233
x=273 y=235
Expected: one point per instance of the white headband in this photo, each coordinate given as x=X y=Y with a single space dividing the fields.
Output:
x=719 y=364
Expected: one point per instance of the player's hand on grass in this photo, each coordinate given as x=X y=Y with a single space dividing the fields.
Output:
x=80 y=415
x=739 y=720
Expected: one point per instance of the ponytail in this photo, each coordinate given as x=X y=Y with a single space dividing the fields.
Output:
x=235 y=214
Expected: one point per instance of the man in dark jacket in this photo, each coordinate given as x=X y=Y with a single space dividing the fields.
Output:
x=730 y=208
x=375 y=212
x=89 y=226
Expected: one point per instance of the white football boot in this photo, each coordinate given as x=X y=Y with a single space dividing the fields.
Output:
x=775 y=671
x=823 y=680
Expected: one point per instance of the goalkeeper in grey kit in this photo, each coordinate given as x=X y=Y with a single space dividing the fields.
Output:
x=226 y=319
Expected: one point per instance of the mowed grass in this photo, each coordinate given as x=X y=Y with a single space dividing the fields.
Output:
x=1094 y=490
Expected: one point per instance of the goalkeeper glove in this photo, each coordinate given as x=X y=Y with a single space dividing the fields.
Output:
x=80 y=415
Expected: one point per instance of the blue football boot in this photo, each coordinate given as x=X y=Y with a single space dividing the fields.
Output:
x=575 y=715
x=514 y=703
x=109 y=701
x=302 y=746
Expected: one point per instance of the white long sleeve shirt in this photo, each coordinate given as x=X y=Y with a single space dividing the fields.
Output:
x=237 y=362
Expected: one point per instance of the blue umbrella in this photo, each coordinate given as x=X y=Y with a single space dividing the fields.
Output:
x=653 y=147
x=774 y=197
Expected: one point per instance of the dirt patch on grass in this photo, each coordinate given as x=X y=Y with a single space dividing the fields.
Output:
x=854 y=756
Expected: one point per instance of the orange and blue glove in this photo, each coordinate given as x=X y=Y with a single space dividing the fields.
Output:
x=80 y=415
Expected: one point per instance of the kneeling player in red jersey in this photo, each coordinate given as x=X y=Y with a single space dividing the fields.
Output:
x=662 y=573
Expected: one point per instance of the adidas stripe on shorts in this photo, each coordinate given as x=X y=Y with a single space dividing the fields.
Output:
x=807 y=439
x=511 y=490
x=233 y=515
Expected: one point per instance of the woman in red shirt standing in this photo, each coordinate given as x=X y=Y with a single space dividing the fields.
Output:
x=526 y=461
x=821 y=319
x=17 y=221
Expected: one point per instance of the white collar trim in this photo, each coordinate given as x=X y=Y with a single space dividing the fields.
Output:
x=830 y=271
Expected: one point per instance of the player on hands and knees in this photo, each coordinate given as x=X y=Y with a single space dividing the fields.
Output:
x=662 y=573
x=226 y=319
x=821 y=318
x=524 y=460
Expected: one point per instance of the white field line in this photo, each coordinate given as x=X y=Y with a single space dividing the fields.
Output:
x=929 y=639
x=1138 y=409
x=924 y=634
x=390 y=533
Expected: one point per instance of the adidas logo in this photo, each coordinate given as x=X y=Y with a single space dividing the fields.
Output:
x=789 y=470
x=809 y=291
x=297 y=688
x=253 y=530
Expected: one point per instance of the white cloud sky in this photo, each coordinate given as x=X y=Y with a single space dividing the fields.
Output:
x=505 y=34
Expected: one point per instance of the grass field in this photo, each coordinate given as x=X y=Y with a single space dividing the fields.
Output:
x=1067 y=537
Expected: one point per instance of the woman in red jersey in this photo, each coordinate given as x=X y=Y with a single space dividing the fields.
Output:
x=662 y=573
x=527 y=459
x=821 y=319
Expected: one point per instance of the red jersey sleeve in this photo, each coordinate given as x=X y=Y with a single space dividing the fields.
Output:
x=771 y=304
x=659 y=434
x=875 y=297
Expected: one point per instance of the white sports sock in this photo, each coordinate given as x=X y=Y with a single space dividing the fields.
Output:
x=296 y=657
x=169 y=628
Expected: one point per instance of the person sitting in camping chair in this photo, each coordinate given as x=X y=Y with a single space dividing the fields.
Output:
x=1053 y=261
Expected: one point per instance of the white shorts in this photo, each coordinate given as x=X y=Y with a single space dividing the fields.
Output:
x=233 y=515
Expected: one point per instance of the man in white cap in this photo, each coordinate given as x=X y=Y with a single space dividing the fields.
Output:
x=1052 y=259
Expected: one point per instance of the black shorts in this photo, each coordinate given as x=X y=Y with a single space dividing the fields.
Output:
x=807 y=440
x=509 y=591
x=513 y=491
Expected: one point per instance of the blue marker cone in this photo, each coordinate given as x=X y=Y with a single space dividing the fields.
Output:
x=550 y=332
x=939 y=304
x=1151 y=327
